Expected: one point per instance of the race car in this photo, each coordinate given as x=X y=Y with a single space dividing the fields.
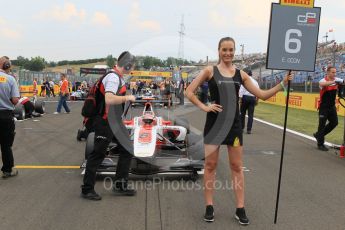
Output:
x=27 y=108
x=147 y=94
x=78 y=95
x=159 y=145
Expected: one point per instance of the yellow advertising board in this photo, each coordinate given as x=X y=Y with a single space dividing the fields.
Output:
x=28 y=90
x=299 y=3
x=306 y=101
x=150 y=74
x=184 y=75
x=136 y=73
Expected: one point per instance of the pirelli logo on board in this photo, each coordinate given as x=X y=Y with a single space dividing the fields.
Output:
x=300 y=3
x=295 y=100
x=3 y=79
x=273 y=98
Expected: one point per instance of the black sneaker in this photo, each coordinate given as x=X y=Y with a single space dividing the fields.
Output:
x=322 y=147
x=249 y=132
x=122 y=189
x=13 y=173
x=209 y=214
x=91 y=196
x=241 y=216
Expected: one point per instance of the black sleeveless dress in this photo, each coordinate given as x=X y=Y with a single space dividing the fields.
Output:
x=224 y=128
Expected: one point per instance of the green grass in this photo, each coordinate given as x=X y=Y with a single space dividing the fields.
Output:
x=303 y=121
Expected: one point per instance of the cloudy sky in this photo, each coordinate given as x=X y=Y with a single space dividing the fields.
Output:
x=82 y=29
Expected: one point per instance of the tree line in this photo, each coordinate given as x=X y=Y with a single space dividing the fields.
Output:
x=142 y=62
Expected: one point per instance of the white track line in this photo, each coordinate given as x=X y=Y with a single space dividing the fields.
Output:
x=291 y=131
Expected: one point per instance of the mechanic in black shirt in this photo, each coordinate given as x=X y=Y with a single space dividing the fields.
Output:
x=113 y=92
x=327 y=109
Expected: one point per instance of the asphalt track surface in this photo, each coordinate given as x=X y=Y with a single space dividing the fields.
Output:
x=312 y=192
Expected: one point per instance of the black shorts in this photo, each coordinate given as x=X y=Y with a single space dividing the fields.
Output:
x=167 y=92
x=234 y=136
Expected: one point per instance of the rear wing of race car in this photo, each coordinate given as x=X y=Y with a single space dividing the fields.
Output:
x=143 y=101
x=154 y=100
x=150 y=98
x=151 y=101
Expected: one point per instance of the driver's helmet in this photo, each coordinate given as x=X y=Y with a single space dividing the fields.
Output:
x=148 y=118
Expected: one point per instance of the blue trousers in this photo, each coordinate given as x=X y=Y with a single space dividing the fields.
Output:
x=63 y=102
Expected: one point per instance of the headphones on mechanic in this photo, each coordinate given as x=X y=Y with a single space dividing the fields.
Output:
x=7 y=63
x=126 y=60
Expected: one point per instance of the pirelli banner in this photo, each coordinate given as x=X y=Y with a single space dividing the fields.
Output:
x=150 y=74
x=168 y=74
x=28 y=90
x=306 y=101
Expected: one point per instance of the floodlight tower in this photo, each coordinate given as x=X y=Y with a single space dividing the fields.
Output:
x=181 y=43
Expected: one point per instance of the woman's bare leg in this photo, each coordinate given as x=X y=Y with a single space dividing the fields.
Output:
x=211 y=160
x=237 y=176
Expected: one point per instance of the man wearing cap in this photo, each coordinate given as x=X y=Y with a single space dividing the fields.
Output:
x=9 y=96
x=248 y=102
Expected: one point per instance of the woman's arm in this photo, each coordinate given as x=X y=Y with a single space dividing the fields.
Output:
x=204 y=75
x=263 y=94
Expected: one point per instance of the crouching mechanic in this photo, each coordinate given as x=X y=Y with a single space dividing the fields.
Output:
x=29 y=107
x=9 y=95
x=327 y=109
x=112 y=92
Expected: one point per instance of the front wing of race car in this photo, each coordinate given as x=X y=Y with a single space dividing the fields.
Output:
x=148 y=139
x=179 y=157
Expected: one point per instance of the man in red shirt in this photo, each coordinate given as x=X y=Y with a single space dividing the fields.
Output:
x=64 y=93
x=327 y=109
x=112 y=91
